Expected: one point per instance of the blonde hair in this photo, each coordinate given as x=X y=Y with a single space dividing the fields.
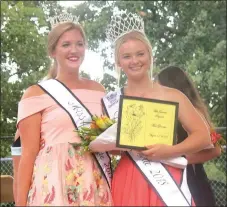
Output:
x=52 y=41
x=131 y=35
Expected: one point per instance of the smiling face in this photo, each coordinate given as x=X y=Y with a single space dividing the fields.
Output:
x=70 y=50
x=134 y=58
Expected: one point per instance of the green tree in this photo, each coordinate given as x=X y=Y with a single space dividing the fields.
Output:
x=190 y=34
x=24 y=58
x=85 y=75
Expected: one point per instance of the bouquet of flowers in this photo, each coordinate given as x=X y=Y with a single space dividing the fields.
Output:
x=88 y=134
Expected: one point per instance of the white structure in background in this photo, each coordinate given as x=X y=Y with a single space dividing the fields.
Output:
x=93 y=62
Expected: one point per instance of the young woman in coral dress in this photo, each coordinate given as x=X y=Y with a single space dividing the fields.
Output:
x=131 y=185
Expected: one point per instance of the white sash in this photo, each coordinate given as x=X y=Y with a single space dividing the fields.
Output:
x=79 y=115
x=154 y=172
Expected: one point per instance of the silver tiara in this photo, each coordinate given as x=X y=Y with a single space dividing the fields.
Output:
x=54 y=21
x=122 y=24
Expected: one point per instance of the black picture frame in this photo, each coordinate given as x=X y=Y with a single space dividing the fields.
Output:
x=121 y=102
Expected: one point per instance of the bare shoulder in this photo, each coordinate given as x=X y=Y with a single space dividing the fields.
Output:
x=177 y=95
x=31 y=91
x=173 y=94
x=93 y=85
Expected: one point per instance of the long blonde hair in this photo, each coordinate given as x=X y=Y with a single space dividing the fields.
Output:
x=132 y=35
x=52 y=41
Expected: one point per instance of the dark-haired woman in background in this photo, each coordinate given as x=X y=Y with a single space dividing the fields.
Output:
x=198 y=183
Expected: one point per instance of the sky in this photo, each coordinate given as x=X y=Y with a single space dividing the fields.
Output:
x=93 y=62
x=70 y=3
x=93 y=65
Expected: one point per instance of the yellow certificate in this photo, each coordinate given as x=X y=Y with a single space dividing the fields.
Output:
x=145 y=122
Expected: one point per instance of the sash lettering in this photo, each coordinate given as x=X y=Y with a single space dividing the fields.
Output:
x=79 y=115
x=154 y=172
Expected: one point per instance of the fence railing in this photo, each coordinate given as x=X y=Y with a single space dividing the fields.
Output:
x=215 y=169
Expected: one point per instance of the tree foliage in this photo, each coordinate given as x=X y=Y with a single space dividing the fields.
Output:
x=190 y=34
x=23 y=56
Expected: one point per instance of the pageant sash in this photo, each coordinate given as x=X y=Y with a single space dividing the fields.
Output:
x=184 y=187
x=160 y=178
x=79 y=115
x=111 y=103
x=154 y=172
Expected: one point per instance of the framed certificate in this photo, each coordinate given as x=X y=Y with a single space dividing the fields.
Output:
x=145 y=122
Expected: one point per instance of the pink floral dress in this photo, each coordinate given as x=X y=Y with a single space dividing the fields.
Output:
x=61 y=177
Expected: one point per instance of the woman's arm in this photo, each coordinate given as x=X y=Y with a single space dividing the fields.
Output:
x=204 y=155
x=29 y=130
x=197 y=129
x=16 y=160
x=195 y=125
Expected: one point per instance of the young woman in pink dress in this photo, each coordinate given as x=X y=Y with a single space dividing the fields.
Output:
x=51 y=172
x=133 y=56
